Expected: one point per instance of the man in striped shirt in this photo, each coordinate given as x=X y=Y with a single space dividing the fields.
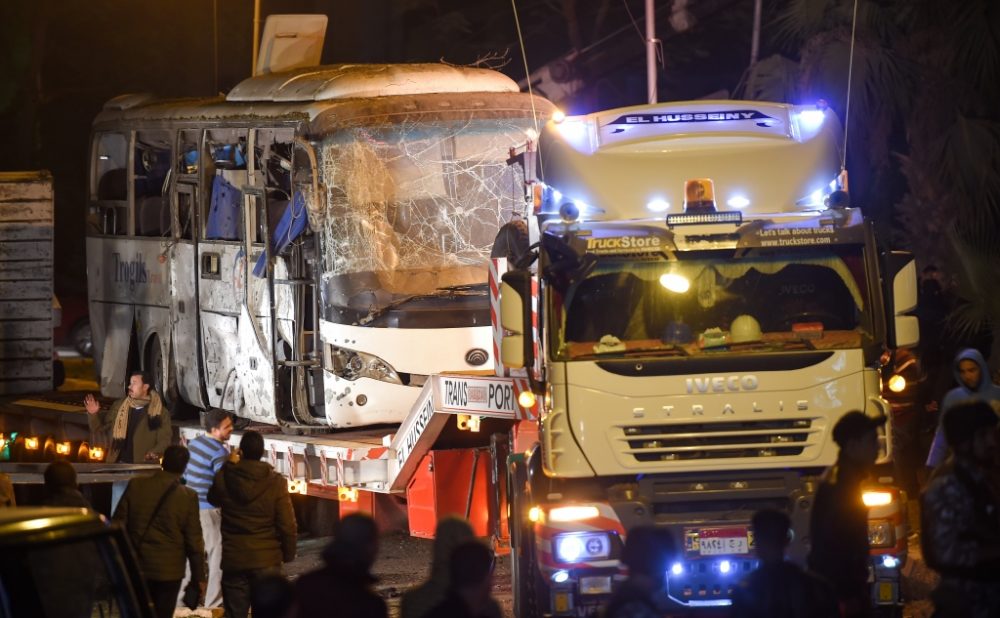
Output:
x=208 y=452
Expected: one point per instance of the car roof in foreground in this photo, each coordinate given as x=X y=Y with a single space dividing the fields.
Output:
x=39 y=524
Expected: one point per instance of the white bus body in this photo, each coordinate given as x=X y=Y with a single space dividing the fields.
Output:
x=367 y=199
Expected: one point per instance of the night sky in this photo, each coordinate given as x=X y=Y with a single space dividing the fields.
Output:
x=60 y=60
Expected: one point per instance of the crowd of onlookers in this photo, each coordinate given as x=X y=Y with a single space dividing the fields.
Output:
x=214 y=525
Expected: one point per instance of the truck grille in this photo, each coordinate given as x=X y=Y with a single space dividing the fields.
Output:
x=719 y=440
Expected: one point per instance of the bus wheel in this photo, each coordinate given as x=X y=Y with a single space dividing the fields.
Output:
x=511 y=241
x=155 y=364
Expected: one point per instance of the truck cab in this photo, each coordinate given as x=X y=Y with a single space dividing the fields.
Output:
x=708 y=306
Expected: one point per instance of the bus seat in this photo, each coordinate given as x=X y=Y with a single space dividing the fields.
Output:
x=224 y=214
x=153 y=216
x=113 y=185
x=291 y=224
x=275 y=210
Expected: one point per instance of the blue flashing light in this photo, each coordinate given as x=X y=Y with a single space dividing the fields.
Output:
x=725 y=566
x=569 y=548
x=812 y=119
x=677 y=568
x=560 y=577
x=890 y=562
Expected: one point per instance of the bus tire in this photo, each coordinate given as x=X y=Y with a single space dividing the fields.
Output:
x=511 y=242
x=169 y=393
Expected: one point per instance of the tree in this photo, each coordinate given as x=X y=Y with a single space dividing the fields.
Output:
x=815 y=39
x=953 y=163
x=927 y=66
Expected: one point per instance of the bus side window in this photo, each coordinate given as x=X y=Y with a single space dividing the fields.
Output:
x=273 y=167
x=188 y=159
x=188 y=149
x=152 y=183
x=226 y=161
x=109 y=185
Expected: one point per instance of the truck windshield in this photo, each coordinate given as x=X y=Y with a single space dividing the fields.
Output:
x=714 y=302
x=412 y=213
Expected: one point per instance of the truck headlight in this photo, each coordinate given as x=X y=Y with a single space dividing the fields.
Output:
x=881 y=533
x=582 y=546
x=897 y=383
x=351 y=365
x=876 y=498
x=573 y=513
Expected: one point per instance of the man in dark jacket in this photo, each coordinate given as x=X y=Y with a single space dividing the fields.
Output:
x=961 y=516
x=61 y=488
x=160 y=516
x=138 y=425
x=470 y=583
x=779 y=588
x=344 y=586
x=258 y=523
x=648 y=553
x=839 y=519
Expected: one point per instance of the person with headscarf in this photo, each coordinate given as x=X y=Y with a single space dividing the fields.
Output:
x=974 y=384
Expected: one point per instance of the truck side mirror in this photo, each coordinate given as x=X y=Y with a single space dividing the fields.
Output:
x=901 y=299
x=516 y=348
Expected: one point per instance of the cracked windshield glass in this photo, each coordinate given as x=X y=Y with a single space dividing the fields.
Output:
x=413 y=210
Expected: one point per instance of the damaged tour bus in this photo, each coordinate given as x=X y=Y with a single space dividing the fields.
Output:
x=309 y=248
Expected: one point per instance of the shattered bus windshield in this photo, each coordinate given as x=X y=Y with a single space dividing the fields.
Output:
x=412 y=212
x=712 y=302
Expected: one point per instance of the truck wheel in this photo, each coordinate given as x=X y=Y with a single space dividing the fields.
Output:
x=528 y=587
x=511 y=241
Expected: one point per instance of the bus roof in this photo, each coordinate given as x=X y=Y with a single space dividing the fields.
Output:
x=352 y=81
x=305 y=94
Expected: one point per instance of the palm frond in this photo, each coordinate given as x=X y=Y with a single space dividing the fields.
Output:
x=975 y=25
x=800 y=20
x=976 y=240
x=774 y=78
x=970 y=156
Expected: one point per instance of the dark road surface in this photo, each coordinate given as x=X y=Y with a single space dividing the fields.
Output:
x=405 y=561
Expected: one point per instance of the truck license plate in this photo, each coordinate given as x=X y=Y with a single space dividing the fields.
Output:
x=715 y=541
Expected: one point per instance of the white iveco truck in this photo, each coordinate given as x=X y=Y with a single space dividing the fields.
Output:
x=708 y=306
